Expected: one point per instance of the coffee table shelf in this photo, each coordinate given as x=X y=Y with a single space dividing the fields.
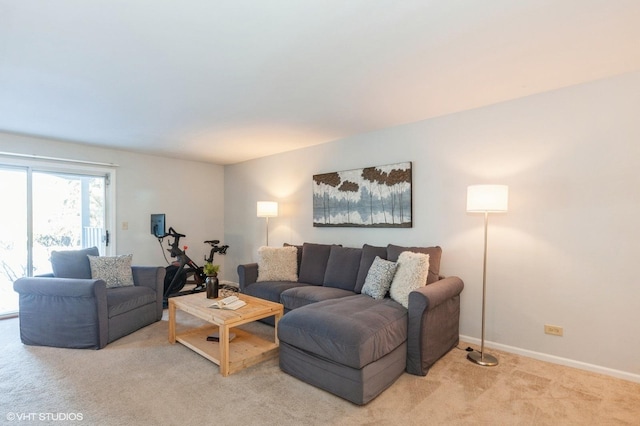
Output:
x=244 y=350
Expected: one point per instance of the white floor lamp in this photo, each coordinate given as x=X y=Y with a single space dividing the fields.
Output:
x=486 y=199
x=267 y=209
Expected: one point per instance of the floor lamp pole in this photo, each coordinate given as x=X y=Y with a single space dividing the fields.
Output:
x=267 y=230
x=482 y=358
x=267 y=209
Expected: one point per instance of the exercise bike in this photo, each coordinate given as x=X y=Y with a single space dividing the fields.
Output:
x=179 y=271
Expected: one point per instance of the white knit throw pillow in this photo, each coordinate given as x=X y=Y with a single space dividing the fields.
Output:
x=277 y=264
x=412 y=272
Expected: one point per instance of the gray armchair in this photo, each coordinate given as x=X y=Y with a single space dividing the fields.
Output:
x=80 y=312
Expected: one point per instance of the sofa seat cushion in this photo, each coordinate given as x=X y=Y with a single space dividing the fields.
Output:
x=124 y=299
x=271 y=290
x=354 y=331
x=298 y=297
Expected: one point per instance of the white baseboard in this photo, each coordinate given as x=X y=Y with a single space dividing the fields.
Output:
x=555 y=359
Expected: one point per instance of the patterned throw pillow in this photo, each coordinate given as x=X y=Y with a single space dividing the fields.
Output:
x=412 y=272
x=277 y=264
x=115 y=271
x=379 y=277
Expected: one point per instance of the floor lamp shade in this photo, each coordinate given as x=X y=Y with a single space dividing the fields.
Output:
x=486 y=199
x=267 y=209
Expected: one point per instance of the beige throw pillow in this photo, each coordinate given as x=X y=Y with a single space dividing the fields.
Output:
x=277 y=264
x=412 y=272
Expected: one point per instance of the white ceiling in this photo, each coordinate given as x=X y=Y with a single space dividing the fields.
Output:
x=229 y=80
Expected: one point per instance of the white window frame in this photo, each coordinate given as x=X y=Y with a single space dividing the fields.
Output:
x=71 y=167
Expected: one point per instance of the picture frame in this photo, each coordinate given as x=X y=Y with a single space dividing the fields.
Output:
x=370 y=197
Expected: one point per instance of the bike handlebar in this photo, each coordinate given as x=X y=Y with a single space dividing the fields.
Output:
x=172 y=233
x=175 y=250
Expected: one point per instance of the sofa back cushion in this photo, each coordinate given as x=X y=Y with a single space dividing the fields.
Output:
x=342 y=268
x=369 y=253
x=298 y=255
x=435 y=253
x=314 y=263
x=72 y=263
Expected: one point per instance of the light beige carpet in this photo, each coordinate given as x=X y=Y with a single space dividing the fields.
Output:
x=141 y=379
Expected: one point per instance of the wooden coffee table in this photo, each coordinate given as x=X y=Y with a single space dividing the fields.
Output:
x=243 y=351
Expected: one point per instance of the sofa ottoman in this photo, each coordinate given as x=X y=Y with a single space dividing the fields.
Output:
x=354 y=346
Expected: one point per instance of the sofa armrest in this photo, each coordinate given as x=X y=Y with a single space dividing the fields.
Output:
x=152 y=277
x=247 y=275
x=60 y=287
x=63 y=312
x=47 y=275
x=433 y=323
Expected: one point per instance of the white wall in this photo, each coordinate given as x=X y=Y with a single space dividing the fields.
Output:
x=189 y=193
x=565 y=253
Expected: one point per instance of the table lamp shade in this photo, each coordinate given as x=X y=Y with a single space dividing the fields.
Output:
x=487 y=198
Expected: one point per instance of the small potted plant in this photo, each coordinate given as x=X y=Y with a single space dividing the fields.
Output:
x=210 y=269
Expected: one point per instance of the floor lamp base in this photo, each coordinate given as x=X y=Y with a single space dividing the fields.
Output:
x=485 y=360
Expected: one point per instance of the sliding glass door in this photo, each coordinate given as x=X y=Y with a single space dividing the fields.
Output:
x=68 y=214
x=47 y=210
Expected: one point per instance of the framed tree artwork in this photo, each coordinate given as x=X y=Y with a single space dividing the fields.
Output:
x=372 y=197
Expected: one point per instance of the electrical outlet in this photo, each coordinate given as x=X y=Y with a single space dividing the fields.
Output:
x=553 y=329
x=125 y=226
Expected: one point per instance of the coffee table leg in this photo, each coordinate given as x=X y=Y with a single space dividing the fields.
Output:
x=224 y=350
x=275 y=328
x=172 y=322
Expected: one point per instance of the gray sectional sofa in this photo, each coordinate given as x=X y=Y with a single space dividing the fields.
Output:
x=348 y=343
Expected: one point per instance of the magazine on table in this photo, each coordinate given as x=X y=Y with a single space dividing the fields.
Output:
x=231 y=303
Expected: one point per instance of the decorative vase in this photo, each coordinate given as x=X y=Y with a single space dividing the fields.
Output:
x=212 y=286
